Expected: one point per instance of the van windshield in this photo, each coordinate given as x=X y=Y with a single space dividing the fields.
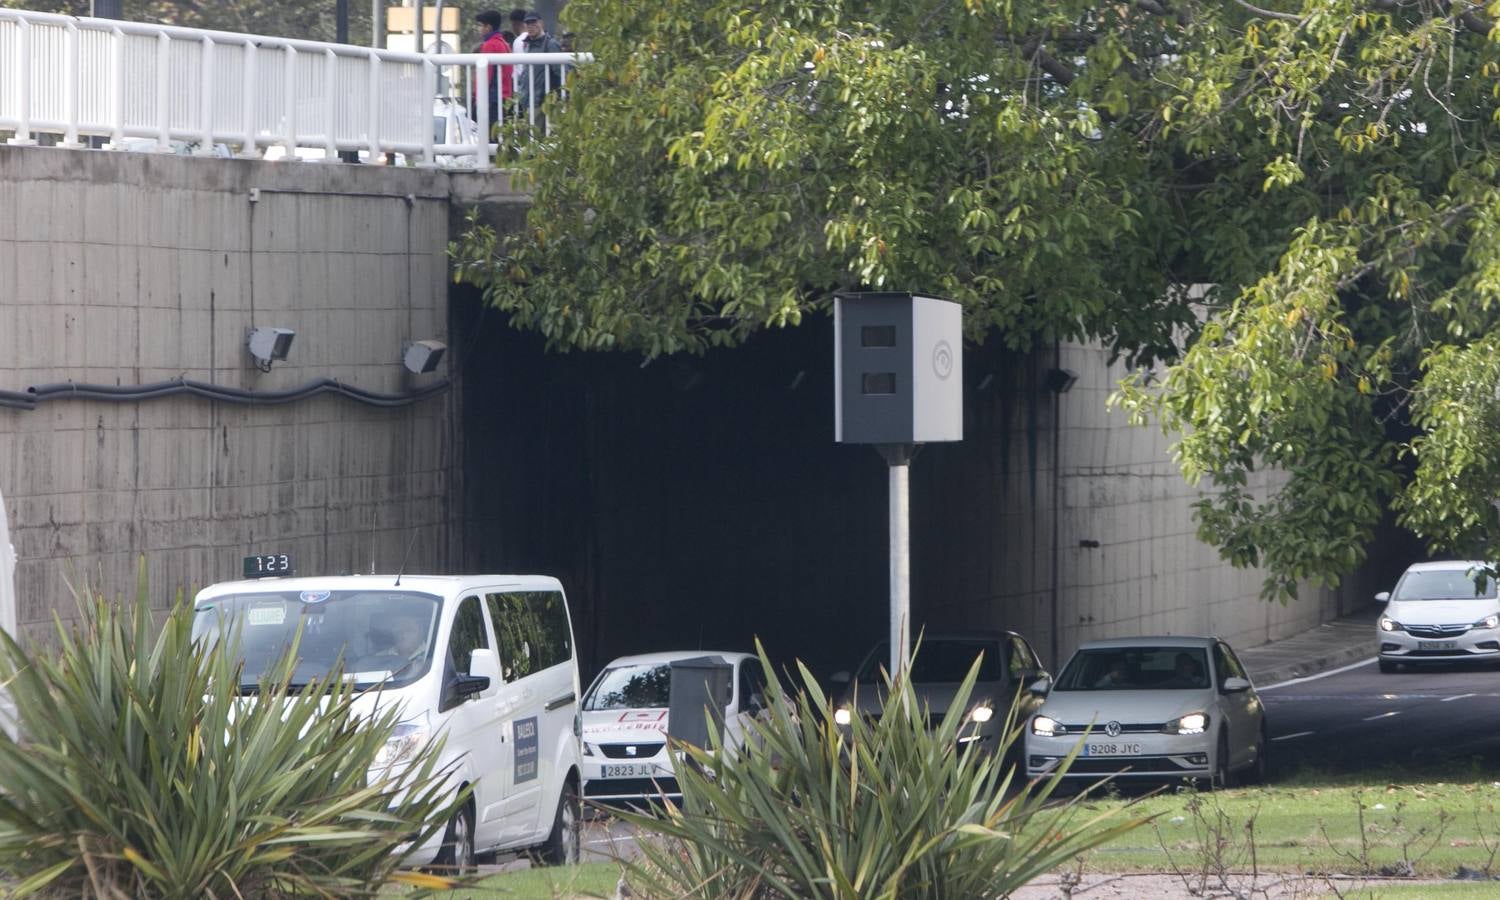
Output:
x=383 y=637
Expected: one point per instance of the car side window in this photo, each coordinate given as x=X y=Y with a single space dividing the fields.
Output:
x=1020 y=658
x=468 y=635
x=1229 y=662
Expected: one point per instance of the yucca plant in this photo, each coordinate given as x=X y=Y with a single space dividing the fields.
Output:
x=886 y=809
x=143 y=773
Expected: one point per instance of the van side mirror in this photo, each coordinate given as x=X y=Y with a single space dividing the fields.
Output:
x=840 y=677
x=1236 y=685
x=484 y=664
x=1383 y=597
x=470 y=685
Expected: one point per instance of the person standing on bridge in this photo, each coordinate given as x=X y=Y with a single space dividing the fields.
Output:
x=538 y=80
x=499 y=76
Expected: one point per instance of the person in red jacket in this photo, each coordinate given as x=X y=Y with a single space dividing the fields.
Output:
x=500 y=76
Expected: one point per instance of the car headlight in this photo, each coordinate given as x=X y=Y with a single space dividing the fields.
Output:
x=405 y=740
x=981 y=714
x=1389 y=624
x=1046 y=726
x=1192 y=723
x=842 y=716
x=589 y=749
x=1489 y=621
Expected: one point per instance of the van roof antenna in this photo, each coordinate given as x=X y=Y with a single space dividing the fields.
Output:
x=407 y=555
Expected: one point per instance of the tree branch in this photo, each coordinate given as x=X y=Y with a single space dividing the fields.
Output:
x=1033 y=52
x=1269 y=13
x=1151 y=6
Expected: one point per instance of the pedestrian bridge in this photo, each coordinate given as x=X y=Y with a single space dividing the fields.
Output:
x=79 y=82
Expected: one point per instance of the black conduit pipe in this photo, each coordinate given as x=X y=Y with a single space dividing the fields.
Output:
x=133 y=393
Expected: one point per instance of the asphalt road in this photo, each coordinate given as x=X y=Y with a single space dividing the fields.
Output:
x=1427 y=720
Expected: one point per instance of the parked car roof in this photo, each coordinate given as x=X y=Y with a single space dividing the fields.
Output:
x=1152 y=640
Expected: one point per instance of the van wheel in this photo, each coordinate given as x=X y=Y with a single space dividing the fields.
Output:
x=1387 y=667
x=564 y=844
x=456 y=856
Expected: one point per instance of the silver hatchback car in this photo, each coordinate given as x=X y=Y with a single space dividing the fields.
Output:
x=1155 y=708
x=1440 y=612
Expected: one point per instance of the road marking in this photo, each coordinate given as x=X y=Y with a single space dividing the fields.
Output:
x=1384 y=715
x=1287 y=737
x=1458 y=697
x=1282 y=684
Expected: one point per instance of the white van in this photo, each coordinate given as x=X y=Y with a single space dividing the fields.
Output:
x=485 y=660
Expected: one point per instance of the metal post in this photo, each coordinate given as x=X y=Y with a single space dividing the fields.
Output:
x=108 y=9
x=377 y=24
x=341 y=21
x=900 y=471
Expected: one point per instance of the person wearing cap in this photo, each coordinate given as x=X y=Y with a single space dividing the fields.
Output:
x=499 y=76
x=537 y=81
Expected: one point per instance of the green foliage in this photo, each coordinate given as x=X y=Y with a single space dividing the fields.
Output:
x=1360 y=362
x=143 y=773
x=723 y=167
x=878 y=810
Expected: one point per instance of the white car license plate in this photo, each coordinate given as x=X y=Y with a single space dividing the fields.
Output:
x=1437 y=645
x=632 y=770
x=1111 y=749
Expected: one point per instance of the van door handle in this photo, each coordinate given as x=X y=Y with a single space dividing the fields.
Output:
x=558 y=702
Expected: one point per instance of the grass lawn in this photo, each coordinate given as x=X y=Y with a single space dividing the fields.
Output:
x=587 y=880
x=1419 y=891
x=1312 y=824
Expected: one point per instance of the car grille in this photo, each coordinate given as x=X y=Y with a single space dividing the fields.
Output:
x=622 y=751
x=1125 y=728
x=631 y=787
x=1436 y=630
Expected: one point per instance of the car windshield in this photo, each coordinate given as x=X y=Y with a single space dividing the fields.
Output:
x=939 y=661
x=644 y=686
x=382 y=637
x=1446 y=584
x=1136 y=669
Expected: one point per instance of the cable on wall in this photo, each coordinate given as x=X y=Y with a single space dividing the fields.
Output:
x=110 y=393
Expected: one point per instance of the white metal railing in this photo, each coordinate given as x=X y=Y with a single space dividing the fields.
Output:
x=171 y=87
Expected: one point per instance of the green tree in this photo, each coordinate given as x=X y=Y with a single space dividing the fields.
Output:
x=1321 y=170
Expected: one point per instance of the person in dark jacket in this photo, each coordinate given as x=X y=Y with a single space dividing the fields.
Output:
x=536 y=82
x=500 y=76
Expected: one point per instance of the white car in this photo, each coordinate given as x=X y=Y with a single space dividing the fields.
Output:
x=1440 y=612
x=485 y=661
x=626 y=761
x=1151 y=708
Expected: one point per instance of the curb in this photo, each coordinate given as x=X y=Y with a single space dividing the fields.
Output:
x=1305 y=667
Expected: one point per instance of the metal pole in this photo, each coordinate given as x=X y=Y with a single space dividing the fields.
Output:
x=377 y=24
x=420 y=33
x=108 y=9
x=900 y=566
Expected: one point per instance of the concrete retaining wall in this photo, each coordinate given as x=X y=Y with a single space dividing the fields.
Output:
x=123 y=269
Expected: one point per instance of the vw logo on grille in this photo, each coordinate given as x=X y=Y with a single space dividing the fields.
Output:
x=1112 y=729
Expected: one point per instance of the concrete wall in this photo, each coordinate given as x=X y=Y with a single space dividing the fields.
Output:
x=1127 y=558
x=124 y=268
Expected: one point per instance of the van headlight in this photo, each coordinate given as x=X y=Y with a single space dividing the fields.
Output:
x=842 y=716
x=405 y=741
x=1389 y=624
x=981 y=714
x=1192 y=723
x=1490 y=621
x=1046 y=726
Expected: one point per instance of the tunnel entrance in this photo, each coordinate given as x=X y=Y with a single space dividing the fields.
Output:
x=702 y=502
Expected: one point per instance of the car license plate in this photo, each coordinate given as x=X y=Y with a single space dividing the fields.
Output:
x=1437 y=645
x=634 y=770
x=1111 y=749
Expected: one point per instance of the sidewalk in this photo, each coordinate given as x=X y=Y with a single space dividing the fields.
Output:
x=1345 y=640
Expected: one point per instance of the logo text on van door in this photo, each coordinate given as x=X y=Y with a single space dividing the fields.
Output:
x=526 y=749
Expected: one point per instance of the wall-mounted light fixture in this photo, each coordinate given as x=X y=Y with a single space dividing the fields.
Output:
x=1060 y=381
x=421 y=357
x=268 y=345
